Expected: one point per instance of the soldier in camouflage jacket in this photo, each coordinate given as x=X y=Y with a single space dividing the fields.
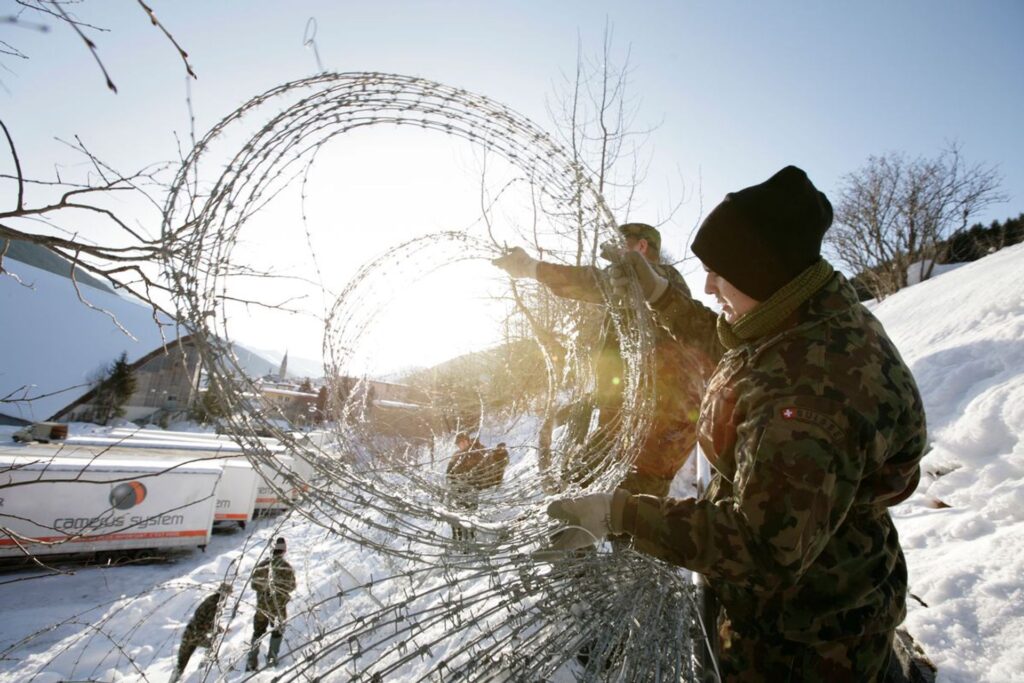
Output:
x=814 y=427
x=679 y=372
x=201 y=627
x=274 y=581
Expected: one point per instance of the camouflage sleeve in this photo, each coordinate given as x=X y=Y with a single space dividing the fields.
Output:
x=674 y=277
x=796 y=479
x=582 y=283
x=690 y=322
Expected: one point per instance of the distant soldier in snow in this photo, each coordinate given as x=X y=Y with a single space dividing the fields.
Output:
x=679 y=371
x=472 y=469
x=814 y=426
x=464 y=475
x=201 y=627
x=274 y=581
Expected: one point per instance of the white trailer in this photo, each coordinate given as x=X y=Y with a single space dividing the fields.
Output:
x=275 y=491
x=236 y=495
x=159 y=439
x=56 y=505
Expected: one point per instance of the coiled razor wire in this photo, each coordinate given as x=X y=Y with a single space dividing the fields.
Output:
x=421 y=605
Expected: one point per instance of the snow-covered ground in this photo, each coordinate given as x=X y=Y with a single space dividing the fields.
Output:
x=962 y=333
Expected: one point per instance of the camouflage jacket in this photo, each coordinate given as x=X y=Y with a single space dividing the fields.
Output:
x=477 y=467
x=201 y=626
x=273 y=579
x=680 y=372
x=813 y=431
x=464 y=468
x=492 y=469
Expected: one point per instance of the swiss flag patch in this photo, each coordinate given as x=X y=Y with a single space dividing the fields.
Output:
x=788 y=413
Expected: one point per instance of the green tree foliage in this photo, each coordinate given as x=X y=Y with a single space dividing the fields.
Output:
x=322 y=410
x=969 y=244
x=977 y=241
x=113 y=391
x=213 y=405
x=466 y=389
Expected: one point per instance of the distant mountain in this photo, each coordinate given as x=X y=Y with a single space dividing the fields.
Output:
x=259 y=362
x=44 y=259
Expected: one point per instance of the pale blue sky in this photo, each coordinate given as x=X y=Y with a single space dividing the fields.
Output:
x=739 y=89
x=736 y=89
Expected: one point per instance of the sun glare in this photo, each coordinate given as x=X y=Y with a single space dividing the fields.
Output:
x=365 y=198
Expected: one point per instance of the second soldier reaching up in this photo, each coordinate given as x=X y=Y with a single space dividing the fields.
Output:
x=679 y=371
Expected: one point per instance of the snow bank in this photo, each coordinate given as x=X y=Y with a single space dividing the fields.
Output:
x=962 y=333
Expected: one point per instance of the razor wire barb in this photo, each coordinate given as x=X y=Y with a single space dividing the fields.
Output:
x=480 y=608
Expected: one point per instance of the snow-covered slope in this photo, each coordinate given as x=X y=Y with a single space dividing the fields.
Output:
x=962 y=333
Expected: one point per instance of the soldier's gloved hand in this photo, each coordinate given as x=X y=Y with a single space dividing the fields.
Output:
x=517 y=263
x=633 y=264
x=612 y=250
x=588 y=519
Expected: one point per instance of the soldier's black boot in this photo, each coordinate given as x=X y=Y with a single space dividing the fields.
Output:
x=275 y=645
x=253 y=662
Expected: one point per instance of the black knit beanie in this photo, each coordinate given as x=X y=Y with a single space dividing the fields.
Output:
x=763 y=236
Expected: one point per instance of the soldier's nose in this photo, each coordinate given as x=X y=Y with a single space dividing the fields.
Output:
x=709 y=284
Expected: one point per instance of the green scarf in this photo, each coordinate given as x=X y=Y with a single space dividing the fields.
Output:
x=768 y=315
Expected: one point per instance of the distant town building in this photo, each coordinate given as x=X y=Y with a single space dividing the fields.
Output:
x=288 y=402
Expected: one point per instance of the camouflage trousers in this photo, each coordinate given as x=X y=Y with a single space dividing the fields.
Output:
x=189 y=642
x=746 y=659
x=263 y=619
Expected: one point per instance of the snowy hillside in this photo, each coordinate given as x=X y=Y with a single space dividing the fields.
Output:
x=962 y=333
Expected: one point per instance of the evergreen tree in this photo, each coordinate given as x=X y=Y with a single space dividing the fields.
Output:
x=214 y=405
x=114 y=390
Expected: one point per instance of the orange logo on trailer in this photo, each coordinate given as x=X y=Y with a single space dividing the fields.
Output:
x=127 y=495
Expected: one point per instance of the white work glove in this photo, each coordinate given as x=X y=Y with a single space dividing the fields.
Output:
x=517 y=263
x=633 y=264
x=588 y=519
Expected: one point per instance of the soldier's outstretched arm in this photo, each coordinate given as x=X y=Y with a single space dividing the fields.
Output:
x=689 y=321
x=581 y=283
x=799 y=473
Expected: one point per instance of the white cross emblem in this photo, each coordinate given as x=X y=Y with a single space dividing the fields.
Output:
x=789 y=413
